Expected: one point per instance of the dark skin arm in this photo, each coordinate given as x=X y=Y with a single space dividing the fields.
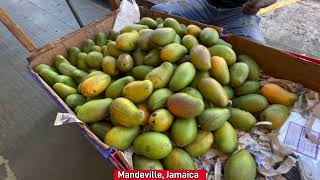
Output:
x=251 y=7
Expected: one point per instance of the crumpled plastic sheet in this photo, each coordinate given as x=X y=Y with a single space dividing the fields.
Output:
x=128 y=14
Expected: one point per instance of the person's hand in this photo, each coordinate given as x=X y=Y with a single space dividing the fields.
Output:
x=251 y=7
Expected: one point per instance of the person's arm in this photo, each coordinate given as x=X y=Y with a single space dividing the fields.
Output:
x=251 y=7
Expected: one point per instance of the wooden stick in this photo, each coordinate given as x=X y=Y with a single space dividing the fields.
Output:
x=16 y=31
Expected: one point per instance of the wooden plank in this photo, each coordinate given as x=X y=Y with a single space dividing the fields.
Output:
x=15 y=30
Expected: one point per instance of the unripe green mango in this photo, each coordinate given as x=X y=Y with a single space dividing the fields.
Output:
x=94 y=110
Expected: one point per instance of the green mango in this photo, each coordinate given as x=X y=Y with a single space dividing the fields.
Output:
x=114 y=90
x=152 y=58
x=140 y=72
x=65 y=80
x=226 y=138
x=121 y=137
x=39 y=67
x=178 y=131
x=248 y=87
x=251 y=103
x=94 y=110
x=192 y=92
x=143 y=163
x=163 y=36
x=75 y=100
x=152 y=24
x=201 y=144
x=48 y=76
x=212 y=119
x=178 y=159
x=82 y=64
x=158 y=99
x=138 y=57
x=182 y=76
x=100 y=129
x=189 y=41
x=64 y=90
x=94 y=60
x=241 y=119
x=208 y=36
x=101 y=39
x=238 y=74
x=87 y=45
x=59 y=59
x=73 y=55
x=173 y=52
x=240 y=166
x=161 y=75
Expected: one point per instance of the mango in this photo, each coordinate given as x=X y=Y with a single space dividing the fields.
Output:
x=200 y=57
x=145 y=42
x=79 y=75
x=101 y=39
x=220 y=71
x=121 y=137
x=138 y=57
x=114 y=90
x=199 y=75
x=73 y=55
x=94 y=60
x=185 y=106
x=229 y=92
x=152 y=58
x=208 y=36
x=159 y=98
x=189 y=41
x=225 y=52
x=128 y=41
x=125 y=63
x=59 y=59
x=44 y=66
x=140 y=72
x=63 y=90
x=138 y=91
x=66 y=69
x=277 y=114
x=161 y=75
x=153 y=145
x=100 y=129
x=48 y=76
x=222 y=42
x=251 y=103
x=143 y=163
x=159 y=20
x=238 y=74
x=82 y=64
x=87 y=45
x=193 y=30
x=94 y=110
x=178 y=131
x=143 y=107
x=248 y=87
x=240 y=166
x=183 y=30
x=178 y=159
x=160 y=26
x=123 y=112
x=172 y=52
x=112 y=35
x=226 y=138
x=112 y=50
x=182 y=76
x=277 y=95
x=201 y=144
x=241 y=119
x=254 y=69
x=65 y=80
x=109 y=66
x=160 y=120
x=177 y=39
x=100 y=96
x=97 y=49
x=213 y=91
x=192 y=92
x=163 y=36
x=133 y=27
x=149 y=22
x=95 y=85
x=75 y=100
x=212 y=119
x=174 y=24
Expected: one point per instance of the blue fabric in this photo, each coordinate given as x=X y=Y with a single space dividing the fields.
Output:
x=232 y=20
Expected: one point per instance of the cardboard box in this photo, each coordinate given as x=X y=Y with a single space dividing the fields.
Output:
x=273 y=62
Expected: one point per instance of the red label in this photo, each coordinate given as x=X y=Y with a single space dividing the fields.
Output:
x=159 y=174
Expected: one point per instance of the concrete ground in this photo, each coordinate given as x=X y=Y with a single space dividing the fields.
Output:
x=30 y=147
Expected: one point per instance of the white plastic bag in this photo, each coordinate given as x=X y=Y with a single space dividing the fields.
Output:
x=128 y=14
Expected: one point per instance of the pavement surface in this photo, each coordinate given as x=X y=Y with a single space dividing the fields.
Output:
x=31 y=148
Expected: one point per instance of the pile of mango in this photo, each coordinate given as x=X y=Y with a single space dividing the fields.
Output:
x=169 y=90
